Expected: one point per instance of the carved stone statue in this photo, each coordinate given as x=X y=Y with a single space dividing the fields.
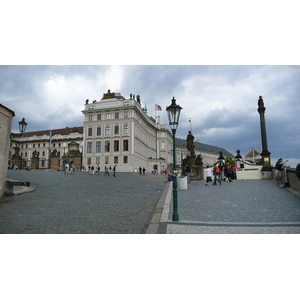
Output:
x=198 y=160
x=35 y=154
x=17 y=154
x=138 y=99
x=55 y=153
x=87 y=101
x=260 y=102
x=190 y=143
x=108 y=95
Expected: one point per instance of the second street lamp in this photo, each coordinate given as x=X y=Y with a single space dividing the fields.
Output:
x=173 y=115
x=22 y=126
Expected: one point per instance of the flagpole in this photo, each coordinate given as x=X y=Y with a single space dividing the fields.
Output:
x=50 y=145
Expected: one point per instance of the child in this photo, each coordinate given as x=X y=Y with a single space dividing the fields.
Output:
x=208 y=175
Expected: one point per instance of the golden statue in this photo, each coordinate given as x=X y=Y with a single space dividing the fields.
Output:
x=108 y=95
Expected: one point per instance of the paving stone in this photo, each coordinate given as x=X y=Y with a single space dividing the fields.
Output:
x=81 y=203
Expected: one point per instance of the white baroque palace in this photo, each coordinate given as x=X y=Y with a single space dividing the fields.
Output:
x=118 y=131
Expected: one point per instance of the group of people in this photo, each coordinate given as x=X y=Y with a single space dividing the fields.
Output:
x=107 y=170
x=218 y=171
x=142 y=170
x=69 y=169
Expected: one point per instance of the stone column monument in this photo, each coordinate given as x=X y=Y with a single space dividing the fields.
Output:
x=266 y=161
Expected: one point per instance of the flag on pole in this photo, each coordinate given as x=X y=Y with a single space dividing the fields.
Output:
x=157 y=107
x=50 y=140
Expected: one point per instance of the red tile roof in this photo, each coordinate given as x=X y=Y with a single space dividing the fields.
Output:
x=62 y=131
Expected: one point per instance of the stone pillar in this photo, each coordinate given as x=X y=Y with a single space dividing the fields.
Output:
x=55 y=160
x=73 y=156
x=6 y=117
x=16 y=158
x=35 y=160
x=266 y=160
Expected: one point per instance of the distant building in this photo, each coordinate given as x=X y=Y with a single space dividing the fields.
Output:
x=209 y=154
x=40 y=141
x=115 y=131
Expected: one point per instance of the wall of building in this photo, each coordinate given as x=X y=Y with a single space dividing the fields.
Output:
x=249 y=172
x=6 y=117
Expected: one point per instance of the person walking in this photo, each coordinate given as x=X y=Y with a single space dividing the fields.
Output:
x=216 y=172
x=114 y=170
x=92 y=171
x=221 y=167
x=106 y=172
x=67 y=167
x=208 y=175
x=144 y=170
x=140 y=170
x=278 y=169
x=187 y=172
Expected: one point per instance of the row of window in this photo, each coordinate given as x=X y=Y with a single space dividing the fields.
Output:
x=25 y=154
x=107 y=130
x=107 y=146
x=106 y=160
x=39 y=145
x=109 y=116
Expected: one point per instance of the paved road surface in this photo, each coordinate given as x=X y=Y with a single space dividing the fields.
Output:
x=80 y=203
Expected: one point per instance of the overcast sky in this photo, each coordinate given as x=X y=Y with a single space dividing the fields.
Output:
x=221 y=101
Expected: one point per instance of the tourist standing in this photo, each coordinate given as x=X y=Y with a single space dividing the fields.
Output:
x=278 y=169
x=187 y=172
x=298 y=171
x=114 y=169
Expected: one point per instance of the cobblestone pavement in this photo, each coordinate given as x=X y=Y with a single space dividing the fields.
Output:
x=80 y=203
x=241 y=206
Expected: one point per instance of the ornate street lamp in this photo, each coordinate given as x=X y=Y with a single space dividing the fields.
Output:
x=238 y=159
x=22 y=126
x=221 y=158
x=173 y=115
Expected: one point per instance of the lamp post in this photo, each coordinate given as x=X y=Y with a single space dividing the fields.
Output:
x=238 y=159
x=22 y=126
x=173 y=115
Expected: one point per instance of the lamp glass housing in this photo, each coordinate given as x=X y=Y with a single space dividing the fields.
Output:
x=22 y=125
x=173 y=114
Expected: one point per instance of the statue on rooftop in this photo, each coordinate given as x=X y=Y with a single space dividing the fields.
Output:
x=108 y=95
